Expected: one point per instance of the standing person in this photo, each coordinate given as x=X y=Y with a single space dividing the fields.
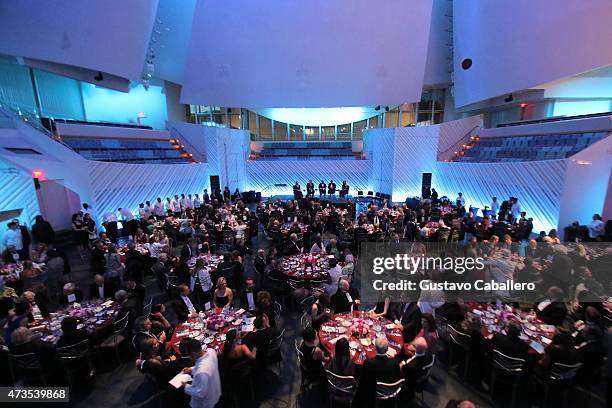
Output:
x=494 y=207
x=87 y=210
x=25 y=240
x=79 y=234
x=322 y=189
x=90 y=229
x=227 y=195
x=158 y=209
x=205 y=388
x=43 y=231
x=12 y=237
x=110 y=224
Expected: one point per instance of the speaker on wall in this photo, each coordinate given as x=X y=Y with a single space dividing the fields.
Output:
x=426 y=185
x=214 y=183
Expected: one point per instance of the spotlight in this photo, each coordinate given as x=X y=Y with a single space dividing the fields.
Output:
x=99 y=77
x=377 y=108
x=386 y=109
x=509 y=98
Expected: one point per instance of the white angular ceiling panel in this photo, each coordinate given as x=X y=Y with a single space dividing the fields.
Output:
x=315 y=53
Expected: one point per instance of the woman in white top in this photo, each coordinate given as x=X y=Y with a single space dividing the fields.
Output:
x=317 y=246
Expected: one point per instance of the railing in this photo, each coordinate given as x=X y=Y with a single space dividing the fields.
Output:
x=32 y=119
x=554 y=119
x=447 y=154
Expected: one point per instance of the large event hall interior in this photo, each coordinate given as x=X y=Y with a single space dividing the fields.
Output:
x=305 y=203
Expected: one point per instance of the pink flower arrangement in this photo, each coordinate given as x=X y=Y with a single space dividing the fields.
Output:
x=215 y=321
x=359 y=327
x=79 y=312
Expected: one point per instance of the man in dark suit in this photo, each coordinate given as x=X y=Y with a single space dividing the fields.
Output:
x=331 y=189
x=189 y=250
x=184 y=305
x=413 y=369
x=310 y=189
x=26 y=240
x=160 y=270
x=102 y=288
x=129 y=305
x=410 y=321
x=43 y=231
x=378 y=369
x=509 y=343
x=552 y=311
x=248 y=296
x=142 y=328
x=98 y=260
x=135 y=289
x=260 y=264
x=134 y=263
x=322 y=189
x=292 y=247
x=346 y=298
x=71 y=334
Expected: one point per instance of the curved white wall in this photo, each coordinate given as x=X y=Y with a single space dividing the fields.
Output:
x=519 y=44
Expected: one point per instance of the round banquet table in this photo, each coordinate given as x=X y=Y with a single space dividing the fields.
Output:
x=296 y=267
x=534 y=332
x=210 y=328
x=362 y=346
x=94 y=317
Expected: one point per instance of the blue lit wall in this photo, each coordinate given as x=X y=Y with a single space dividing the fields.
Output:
x=103 y=104
x=318 y=116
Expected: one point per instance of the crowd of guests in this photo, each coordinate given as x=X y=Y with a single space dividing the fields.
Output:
x=198 y=250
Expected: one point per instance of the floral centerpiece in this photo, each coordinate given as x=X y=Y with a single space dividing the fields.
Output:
x=79 y=312
x=359 y=328
x=215 y=321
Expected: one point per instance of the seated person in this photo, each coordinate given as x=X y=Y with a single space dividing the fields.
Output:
x=248 y=295
x=553 y=310
x=561 y=350
x=159 y=322
x=184 y=305
x=71 y=294
x=102 y=288
x=23 y=342
x=378 y=369
x=346 y=298
x=510 y=344
x=135 y=289
x=313 y=356
x=222 y=296
x=142 y=329
x=71 y=334
x=162 y=369
x=412 y=368
x=342 y=362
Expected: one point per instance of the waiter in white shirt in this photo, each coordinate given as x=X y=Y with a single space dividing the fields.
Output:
x=158 y=208
x=205 y=387
x=175 y=206
x=12 y=236
x=183 y=202
x=460 y=199
x=515 y=210
x=494 y=207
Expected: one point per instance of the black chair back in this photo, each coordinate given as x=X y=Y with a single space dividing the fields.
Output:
x=386 y=391
x=341 y=388
x=28 y=368
x=507 y=363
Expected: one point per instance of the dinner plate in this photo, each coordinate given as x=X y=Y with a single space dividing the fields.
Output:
x=209 y=340
x=366 y=342
x=354 y=345
x=237 y=322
